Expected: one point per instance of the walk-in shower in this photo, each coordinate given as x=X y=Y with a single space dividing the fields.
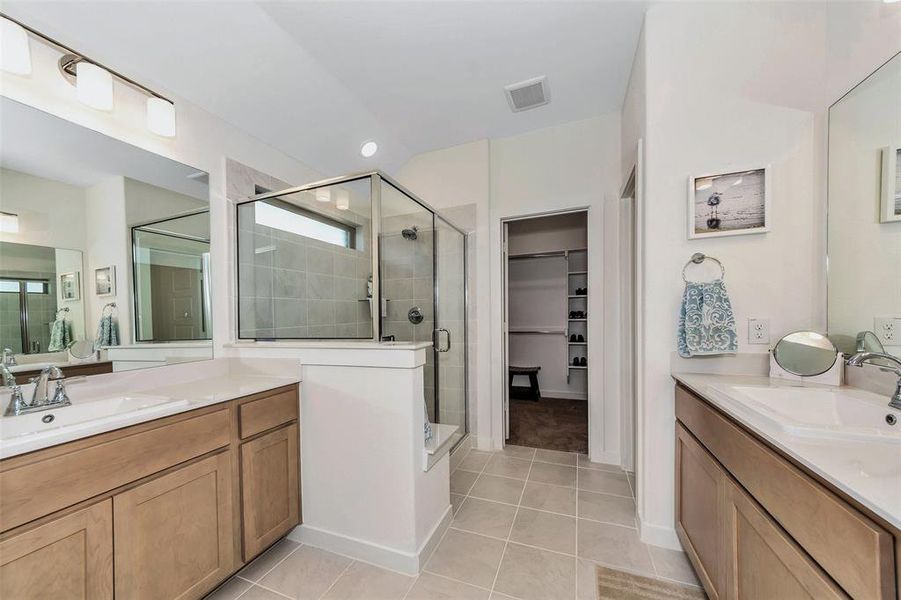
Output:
x=358 y=257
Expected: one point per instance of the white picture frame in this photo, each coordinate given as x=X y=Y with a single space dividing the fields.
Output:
x=70 y=286
x=745 y=211
x=890 y=198
x=105 y=281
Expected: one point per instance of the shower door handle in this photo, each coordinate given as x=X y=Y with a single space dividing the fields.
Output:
x=438 y=346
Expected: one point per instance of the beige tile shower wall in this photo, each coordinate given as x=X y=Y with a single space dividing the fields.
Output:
x=291 y=286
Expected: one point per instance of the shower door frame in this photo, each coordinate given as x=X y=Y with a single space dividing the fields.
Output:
x=375 y=197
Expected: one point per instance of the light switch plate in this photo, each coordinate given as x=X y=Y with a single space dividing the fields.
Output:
x=888 y=330
x=758 y=331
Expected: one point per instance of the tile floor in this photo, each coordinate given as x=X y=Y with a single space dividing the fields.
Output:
x=528 y=525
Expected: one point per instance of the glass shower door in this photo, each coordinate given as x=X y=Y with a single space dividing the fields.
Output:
x=450 y=332
x=406 y=277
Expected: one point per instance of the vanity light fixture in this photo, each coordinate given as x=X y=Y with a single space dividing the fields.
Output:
x=324 y=195
x=368 y=149
x=161 y=116
x=93 y=81
x=342 y=199
x=94 y=85
x=9 y=222
x=15 y=53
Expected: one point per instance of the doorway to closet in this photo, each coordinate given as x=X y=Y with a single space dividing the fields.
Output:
x=546 y=331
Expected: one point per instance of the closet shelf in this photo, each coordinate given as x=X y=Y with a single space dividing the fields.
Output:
x=580 y=368
x=572 y=296
x=578 y=273
x=578 y=343
x=578 y=320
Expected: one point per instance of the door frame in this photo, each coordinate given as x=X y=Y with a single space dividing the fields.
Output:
x=505 y=309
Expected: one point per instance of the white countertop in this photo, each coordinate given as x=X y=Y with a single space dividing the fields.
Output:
x=867 y=471
x=98 y=409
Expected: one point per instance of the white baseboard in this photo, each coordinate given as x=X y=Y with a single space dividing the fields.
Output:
x=564 y=395
x=657 y=535
x=459 y=453
x=608 y=458
x=408 y=563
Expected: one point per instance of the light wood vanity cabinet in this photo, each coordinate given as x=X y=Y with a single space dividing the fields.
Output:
x=185 y=501
x=757 y=527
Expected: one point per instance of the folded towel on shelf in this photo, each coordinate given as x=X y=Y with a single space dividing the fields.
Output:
x=706 y=321
x=60 y=335
x=107 y=332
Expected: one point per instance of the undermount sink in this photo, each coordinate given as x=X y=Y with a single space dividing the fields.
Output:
x=840 y=413
x=79 y=415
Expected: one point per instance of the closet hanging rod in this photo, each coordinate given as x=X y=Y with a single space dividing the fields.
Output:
x=542 y=331
x=537 y=255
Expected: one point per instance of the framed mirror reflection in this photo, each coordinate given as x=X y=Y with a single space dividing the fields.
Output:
x=104 y=251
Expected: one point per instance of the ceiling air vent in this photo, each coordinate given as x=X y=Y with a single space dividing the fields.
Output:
x=528 y=94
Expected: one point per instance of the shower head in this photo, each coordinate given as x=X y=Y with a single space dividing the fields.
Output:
x=411 y=233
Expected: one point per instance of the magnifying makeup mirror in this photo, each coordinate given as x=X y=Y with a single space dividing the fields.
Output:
x=805 y=353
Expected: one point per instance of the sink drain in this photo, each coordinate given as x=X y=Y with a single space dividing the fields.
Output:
x=47 y=418
x=891 y=419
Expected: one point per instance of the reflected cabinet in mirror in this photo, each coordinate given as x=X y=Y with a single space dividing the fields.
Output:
x=104 y=251
x=864 y=236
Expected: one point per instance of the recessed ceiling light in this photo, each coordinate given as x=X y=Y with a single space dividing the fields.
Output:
x=368 y=149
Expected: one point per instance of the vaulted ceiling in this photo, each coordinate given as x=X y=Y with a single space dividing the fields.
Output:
x=316 y=79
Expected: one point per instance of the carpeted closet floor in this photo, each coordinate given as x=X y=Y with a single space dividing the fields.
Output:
x=550 y=423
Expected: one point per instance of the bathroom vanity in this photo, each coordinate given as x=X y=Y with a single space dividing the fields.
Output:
x=767 y=509
x=166 y=508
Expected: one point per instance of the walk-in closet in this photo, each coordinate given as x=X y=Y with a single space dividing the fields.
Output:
x=547 y=331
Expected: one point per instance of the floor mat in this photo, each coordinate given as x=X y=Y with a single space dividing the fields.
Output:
x=550 y=423
x=619 y=585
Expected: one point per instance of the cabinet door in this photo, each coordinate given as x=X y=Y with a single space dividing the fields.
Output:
x=765 y=563
x=174 y=533
x=700 y=494
x=70 y=557
x=270 y=467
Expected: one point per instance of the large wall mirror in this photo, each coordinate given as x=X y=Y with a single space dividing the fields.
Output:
x=865 y=214
x=104 y=251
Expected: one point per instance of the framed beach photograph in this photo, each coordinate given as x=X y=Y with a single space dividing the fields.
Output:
x=735 y=202
x=105 y=281
x=69 y=286
x=890 y=210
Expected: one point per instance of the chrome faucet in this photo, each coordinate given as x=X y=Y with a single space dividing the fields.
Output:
x=17 y=403
x=40 y=396
x=860 y=358
x=9 y=358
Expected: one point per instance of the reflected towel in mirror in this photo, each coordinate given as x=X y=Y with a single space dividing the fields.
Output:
x=60 y=335
x=107 y=332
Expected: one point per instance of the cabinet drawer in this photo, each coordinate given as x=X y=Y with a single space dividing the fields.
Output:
x=856 y=552
x=268 y=411
x=40 y=487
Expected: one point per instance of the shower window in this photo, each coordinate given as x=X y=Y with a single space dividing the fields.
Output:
x=304 y=223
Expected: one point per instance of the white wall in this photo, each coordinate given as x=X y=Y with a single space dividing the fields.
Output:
x=750 y=91
x=107 y=245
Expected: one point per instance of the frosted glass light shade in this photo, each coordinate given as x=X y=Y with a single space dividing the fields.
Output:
x=161 y=117
x=94 y=86
x=15 y=54
x=342 y=199
x=9 y=222
x=324 y=195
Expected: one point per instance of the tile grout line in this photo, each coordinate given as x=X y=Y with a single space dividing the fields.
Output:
x=551 y=512
x=513 y=524
x=340 y=575
x=299 y=546
x=557 y=484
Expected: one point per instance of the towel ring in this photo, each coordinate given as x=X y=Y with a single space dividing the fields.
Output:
x=696 y=259
x=64 y=309
x=111 y=306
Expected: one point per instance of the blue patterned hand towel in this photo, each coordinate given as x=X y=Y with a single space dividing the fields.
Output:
x=60 y=336
x=107 y=332
x=706 y=322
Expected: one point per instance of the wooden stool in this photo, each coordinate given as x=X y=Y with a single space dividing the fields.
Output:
x=532 y=372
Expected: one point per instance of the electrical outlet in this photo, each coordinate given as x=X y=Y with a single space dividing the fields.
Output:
x=758 y=331
x=888 y=330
